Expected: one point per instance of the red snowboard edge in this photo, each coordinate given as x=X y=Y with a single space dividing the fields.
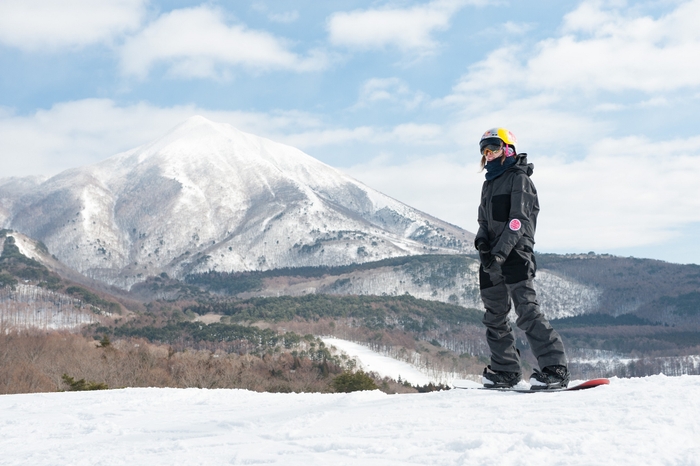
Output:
x=589 y=384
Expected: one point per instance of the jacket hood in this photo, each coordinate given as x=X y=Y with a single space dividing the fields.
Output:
x=522 y=165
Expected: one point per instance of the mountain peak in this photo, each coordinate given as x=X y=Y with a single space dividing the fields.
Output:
x=195 y=127
x=198 y=121
x=206 y=196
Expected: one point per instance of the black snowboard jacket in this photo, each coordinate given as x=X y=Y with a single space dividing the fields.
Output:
x=508 y=210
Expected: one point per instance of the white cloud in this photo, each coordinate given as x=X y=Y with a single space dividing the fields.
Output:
x=537 y=121
x=517 y=28
x=655 y=102
x=197 y=42
x=615 y=50
x=392 y=91
x=409 y=29
x=508 y=27
x=77 y=133
x=51 y=24
x=601 y=51
x=438 y=185
x=625 y=193
x=328 y=137
x=493 y=80
x=413 y=133
x=377 y=89
x=550 y=91
x=609 y=107
x=400 y=135
x=284 y=18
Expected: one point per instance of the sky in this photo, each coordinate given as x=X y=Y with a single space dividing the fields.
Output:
x=603 y=96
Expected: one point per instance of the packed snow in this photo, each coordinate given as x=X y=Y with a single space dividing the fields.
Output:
x=652 y=420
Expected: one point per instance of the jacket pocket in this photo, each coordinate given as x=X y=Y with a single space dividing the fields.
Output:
x=500 y=207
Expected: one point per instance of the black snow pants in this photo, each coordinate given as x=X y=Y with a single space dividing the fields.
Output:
x=497 y=290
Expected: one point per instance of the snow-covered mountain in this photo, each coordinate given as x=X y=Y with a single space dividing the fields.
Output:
x=207 y=196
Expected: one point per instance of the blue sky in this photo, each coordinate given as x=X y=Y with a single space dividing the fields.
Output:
x=602 y=95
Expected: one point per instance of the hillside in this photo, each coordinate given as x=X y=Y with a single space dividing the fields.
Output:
x=450 y=279
x=655 y=290
x=34 y=296
x=568 y=285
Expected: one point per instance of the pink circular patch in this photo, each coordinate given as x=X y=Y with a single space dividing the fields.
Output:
x=515 y=224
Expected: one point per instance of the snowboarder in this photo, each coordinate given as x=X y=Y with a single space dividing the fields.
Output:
x=505 y=241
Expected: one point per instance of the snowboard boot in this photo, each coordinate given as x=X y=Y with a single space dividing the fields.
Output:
x=550 y=378
x=499 y=379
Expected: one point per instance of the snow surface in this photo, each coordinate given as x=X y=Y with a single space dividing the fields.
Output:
x=652 y=420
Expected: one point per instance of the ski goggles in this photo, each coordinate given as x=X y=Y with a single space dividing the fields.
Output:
x=495 y=149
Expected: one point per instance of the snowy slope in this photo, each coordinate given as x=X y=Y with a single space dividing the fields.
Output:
x=208 y=196
x=650 y=420
x=384 y=366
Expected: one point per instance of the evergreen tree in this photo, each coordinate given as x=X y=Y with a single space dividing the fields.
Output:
x=353 y=382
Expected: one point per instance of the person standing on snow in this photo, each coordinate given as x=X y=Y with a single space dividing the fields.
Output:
x=505 y=241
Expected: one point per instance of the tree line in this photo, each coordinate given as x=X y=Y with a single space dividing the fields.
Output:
x=406 y=312
x=33 y=362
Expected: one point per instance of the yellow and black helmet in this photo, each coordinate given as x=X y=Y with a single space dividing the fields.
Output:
x=497 y=136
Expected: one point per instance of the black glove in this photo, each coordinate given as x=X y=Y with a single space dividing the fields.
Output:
x=494 y=265
x=484 y=252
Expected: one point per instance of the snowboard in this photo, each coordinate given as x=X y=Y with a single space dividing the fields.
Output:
x=582 y=386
